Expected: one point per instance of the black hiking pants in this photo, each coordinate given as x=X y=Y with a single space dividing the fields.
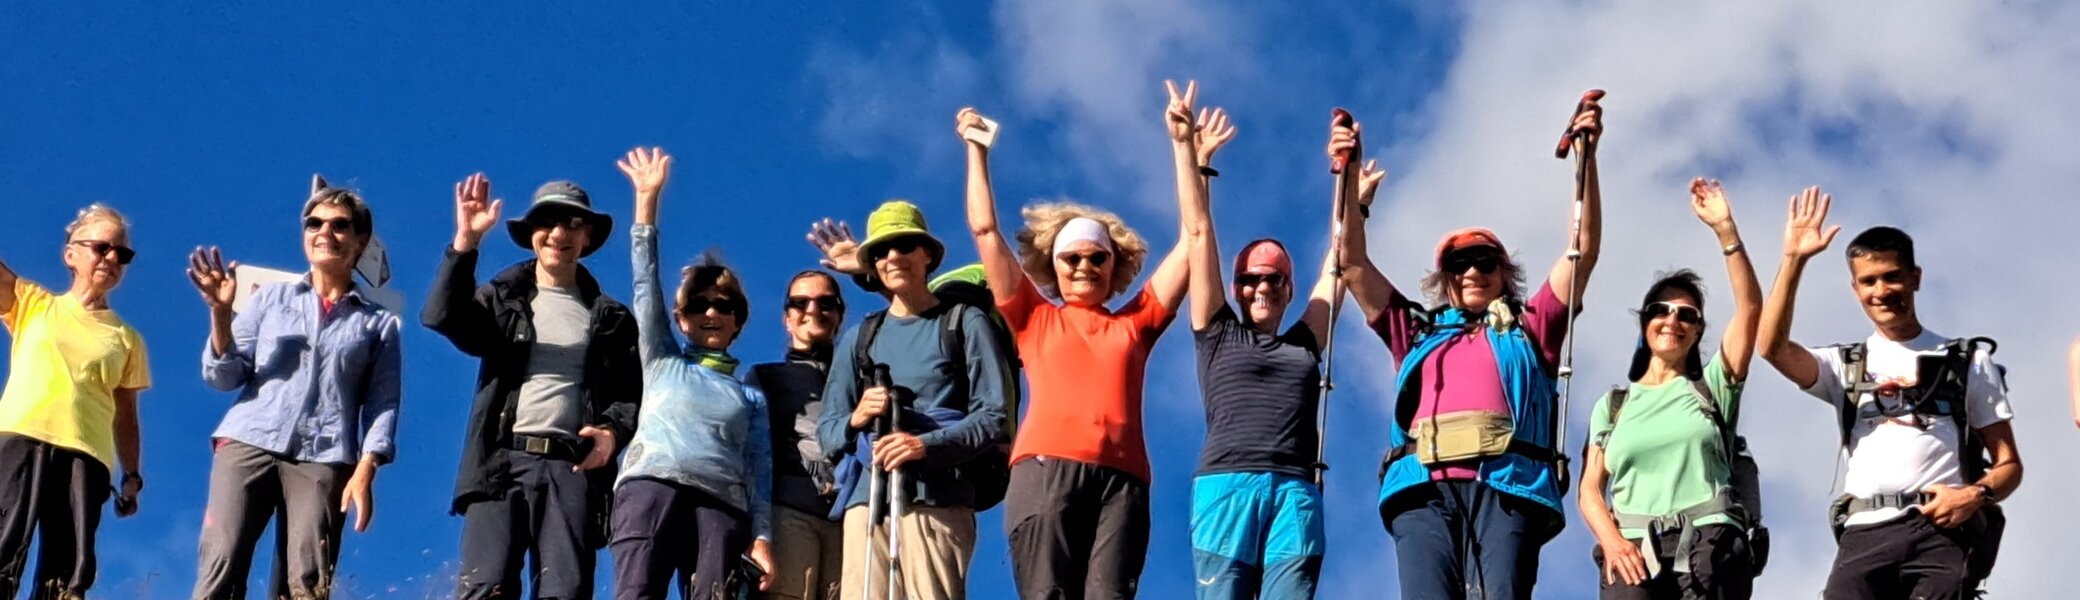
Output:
x=58 y=493
x=1077 y=530
x=1907 y=557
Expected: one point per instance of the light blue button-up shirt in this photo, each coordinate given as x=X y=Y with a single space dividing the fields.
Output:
x=311 y=387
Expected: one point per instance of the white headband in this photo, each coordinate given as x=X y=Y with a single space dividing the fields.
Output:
x=1082 y=229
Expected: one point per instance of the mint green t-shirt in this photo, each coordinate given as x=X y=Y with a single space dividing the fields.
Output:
x=1665 y=455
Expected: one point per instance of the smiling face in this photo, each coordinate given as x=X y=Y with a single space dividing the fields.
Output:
x=560 y=238
x=904 y=264
x=330 y=242
x=1263 y=293
x=1476 y=276
x=813 y=312
x=93 y=253
x=1885 y=288
x=709 y=320
x=1083 y=273
x=1672 y=325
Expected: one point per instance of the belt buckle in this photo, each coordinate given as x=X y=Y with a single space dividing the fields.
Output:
x=537 y=445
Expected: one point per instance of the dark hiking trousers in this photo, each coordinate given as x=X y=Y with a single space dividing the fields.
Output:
x=1721 y=568
x=1907 y=557
x=1077 y=530
x=540 y=515
x=1463 y=539
x=664 y=530
x=57 y=492
x=247 y=488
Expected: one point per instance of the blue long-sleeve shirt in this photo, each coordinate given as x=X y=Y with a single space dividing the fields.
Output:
x=312 y=387
x=698 y=427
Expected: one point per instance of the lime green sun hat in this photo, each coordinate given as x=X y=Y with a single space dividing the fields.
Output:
x=895 y=220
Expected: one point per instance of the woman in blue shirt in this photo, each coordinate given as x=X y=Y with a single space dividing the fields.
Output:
x=696 y=482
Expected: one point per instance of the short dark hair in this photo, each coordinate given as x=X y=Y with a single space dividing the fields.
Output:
x=1883 y=239
x=826 y=276
x=709 y=273
x=1681 y=280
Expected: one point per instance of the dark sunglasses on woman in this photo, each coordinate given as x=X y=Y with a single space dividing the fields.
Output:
x=101 y=248
x=828 y=302
x=1076 y=260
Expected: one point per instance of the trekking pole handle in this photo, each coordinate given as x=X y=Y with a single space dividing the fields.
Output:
x=1571 y=137
x=1339 y=117
x=884 y=381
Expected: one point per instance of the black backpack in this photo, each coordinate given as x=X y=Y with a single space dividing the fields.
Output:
x=990 y=471
x=1940 y=392
x=1740 y=464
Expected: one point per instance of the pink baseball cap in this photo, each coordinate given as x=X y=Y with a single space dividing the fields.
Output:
x=1470 y=237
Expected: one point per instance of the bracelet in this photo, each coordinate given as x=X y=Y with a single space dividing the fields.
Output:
x=1734 y=247
x=1208 y=171
x=132 y=475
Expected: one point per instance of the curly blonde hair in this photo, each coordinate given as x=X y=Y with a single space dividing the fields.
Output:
x=1036 y=244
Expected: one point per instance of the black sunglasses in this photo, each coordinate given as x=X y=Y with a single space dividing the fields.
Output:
x=1683 y=312
x=1485 y=261
x=568 y=220
x=826 y=301
x=1076 y=260
x=337 y=223
x=701 y=304
x=100 y=248
x=1253 y=279
x=902 y=245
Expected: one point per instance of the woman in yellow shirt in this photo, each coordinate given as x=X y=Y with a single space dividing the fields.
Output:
x=69 y=409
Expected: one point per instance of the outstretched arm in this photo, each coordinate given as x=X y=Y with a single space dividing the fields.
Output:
x=1323 y=300
x=1571 y=277
x=1172 y=276
x=999 y=263
x=1196 y=221
x=1368 y=286
x=7 y=279
x=1737 y=345
x=646 y=170
x=1804 y=237
x=455 y=308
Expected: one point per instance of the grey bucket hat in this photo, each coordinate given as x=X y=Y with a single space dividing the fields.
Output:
x=561 y=196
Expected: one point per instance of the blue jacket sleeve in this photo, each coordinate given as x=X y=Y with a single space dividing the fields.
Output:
x=654 y=339
x=983 y=425
x=758 y=456
x=840 y=392
x=230 y=370
x=385 y=392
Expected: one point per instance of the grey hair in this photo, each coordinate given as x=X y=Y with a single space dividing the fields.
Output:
x=97 y=213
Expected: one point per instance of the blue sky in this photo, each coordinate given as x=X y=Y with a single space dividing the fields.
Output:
x=204 y=124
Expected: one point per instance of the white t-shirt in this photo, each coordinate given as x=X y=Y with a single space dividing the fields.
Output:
x=1890 y=455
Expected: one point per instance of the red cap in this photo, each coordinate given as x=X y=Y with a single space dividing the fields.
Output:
x=1469 y=237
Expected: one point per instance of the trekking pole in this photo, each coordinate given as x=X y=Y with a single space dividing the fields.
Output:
x=1573 y=140
x=876 y=490
x=1337 y=165
x=894 y=499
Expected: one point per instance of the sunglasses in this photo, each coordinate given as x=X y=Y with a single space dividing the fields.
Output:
x=1683 y=312
x=827 y=302
x=698 y=305
x=901 y=245
x=1254 y=279
x=1485 y=261
x=1076 y=260
x=571 y=221
x=100 y=248
x=337 y=224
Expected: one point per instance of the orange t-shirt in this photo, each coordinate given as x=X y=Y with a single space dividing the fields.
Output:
x=1085 y=368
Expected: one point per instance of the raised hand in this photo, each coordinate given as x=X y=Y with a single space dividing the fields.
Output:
x=1178 y=113
x=965 y=120
x=1708 y=200
x=475 y=211
x=1805 y=231
x=646 y=169
x=1589 y=122
x=1369 y=178
x=1213 y=132
x=834 y=239
x=1346 y=139
x=217 y=281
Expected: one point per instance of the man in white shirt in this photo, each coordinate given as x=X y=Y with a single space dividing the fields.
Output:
x=1915 y=521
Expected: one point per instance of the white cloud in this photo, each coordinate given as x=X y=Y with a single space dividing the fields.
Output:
x=1953 y=120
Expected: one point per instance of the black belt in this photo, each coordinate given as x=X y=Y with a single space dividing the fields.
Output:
x=549 y=447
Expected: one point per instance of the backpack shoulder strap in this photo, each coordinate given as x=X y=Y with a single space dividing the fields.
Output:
x=1855 y=362
x=1611 y=404
x=863 y=343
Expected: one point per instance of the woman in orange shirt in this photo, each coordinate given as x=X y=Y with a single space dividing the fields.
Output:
x=1077 y=513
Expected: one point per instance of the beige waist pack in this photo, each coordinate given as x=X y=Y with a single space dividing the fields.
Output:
x=1461 y=436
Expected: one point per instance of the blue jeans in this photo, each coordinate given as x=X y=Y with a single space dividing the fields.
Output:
x=1256 y=535
x=1463 y=539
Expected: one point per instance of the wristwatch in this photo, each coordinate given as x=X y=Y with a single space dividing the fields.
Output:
x=132 y=475
x=1985 y=494
x=1734 y=247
